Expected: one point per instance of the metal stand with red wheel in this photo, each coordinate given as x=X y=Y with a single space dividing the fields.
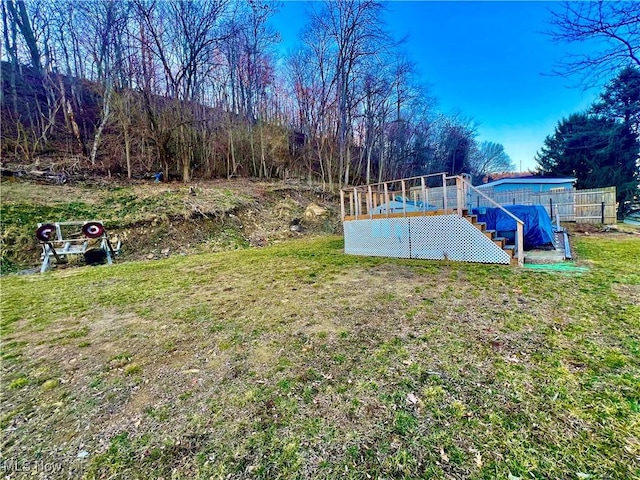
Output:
x=61 y=239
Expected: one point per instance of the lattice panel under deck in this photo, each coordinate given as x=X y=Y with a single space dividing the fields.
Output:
x=429 y=237
x=386 y=237
x=453 y=237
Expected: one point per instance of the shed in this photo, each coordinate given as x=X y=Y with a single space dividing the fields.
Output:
x=556 y=194
x=531 y=183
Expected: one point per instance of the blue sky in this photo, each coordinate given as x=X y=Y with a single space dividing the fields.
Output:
x=486 y=60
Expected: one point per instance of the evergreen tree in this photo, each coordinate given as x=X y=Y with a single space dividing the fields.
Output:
x=620 y=99
x=578 y=148
x=601 y=148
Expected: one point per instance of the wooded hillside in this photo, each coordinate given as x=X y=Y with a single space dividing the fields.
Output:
x=199 y=89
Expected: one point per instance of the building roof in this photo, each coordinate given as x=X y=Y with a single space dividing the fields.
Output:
x=529 y=180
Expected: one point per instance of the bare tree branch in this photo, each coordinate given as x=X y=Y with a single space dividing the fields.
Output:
x=613 y=26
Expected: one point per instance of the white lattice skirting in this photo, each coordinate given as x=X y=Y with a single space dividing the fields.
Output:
x=436 y=237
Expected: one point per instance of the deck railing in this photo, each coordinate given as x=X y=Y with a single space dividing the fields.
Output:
x=436 y=193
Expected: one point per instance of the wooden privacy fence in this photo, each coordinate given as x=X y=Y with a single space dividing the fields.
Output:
x=596 y=205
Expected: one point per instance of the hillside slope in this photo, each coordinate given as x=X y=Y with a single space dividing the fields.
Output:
x=157 y=219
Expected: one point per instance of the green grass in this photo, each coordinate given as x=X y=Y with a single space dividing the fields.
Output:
x=297 y=361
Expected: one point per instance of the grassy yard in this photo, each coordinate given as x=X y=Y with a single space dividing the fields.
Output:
x=297 y=361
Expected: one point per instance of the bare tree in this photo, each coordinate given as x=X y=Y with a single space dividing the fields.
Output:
x=489 y=157
x=313 y=86
x=455 y=143
x=10 y=34
x=35 y=119
x=377 y=90
x=612 y=25
x=104 y=22
x=193 y=87
x=182 y=36
x=355 y=30
x=21 y=18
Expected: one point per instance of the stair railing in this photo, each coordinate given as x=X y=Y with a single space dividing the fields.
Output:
x=464 y=184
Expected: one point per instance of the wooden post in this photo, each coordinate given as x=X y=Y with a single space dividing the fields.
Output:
x=520 y=243
x=602 y=211
x=427 y=199
x=424 y=194
x=370 y=206
x=459 y=195
x=386 y=198
x=467 y=191
x=444 y=192
x=356 y=201
x=366 y=202
x=351 y=204
x=342 y=204
x=404 y=198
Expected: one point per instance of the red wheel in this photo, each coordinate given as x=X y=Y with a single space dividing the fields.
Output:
x=46 y=232
x=93 y=229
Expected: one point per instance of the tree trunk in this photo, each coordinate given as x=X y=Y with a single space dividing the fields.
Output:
x=106 y=109
x=381 y=166
x=21 y=18
x=127 y=149
x=186 y=171
x=347 y=168
x=369 y=151
x=186 y=157
x=263 y=163
x=253 y=153
x=13 y=56
x=231 y=156
x=74 y=126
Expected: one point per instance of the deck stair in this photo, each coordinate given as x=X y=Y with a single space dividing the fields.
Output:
x=490 y=234
x=425 y=217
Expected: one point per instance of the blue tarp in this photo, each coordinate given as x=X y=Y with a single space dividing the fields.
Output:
x=538 y=230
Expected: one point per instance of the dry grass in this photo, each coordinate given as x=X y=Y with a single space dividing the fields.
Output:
x=297 y=361
x=153 y=217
